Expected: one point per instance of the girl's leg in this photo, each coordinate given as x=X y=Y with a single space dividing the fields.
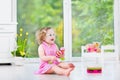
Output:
x=66 y=65
x=61 y=71
x=50 y=71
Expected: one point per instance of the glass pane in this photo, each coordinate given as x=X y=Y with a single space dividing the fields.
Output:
x=92 y=21
x=34 y=14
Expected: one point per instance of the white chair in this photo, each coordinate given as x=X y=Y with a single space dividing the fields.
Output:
x=109 y=52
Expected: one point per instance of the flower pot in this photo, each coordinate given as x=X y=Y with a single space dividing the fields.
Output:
x=19 y=61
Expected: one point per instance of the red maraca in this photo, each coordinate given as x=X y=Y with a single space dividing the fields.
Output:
x=62 y=49
x=59 y=53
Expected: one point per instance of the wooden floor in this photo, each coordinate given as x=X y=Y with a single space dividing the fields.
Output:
x=111 y=71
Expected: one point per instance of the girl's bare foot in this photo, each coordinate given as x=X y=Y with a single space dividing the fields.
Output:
x=67 y=72
x=71 y=65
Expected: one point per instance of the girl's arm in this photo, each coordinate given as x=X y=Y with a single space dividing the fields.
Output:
x=43 y=56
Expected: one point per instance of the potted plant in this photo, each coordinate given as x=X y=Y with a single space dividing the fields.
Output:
x=21 y=45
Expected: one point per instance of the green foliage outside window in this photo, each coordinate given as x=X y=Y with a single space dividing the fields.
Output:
x=35 y=14
x=92 y=21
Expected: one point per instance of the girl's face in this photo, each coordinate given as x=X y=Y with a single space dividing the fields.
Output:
x=50 y=36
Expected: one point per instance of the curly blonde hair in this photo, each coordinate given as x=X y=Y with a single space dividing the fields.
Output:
x=41 y=33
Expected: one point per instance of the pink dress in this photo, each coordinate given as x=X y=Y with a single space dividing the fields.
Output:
x=49 y=51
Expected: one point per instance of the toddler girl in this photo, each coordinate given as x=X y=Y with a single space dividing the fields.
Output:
x=47 y=52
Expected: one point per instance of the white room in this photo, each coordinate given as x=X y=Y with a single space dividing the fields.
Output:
x=86 y=30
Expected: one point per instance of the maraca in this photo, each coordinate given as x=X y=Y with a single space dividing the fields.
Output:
x=62 y=49
x=61 y=52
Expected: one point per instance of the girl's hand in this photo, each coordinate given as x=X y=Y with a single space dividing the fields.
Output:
x=59 y=54
x=52 y=59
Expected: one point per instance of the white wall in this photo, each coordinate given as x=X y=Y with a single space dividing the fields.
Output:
x=8 y=27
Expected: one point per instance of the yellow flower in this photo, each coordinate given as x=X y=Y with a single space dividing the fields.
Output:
x=20 y=34
x=21 y=29
x=22 y=53
x=21 y=43
x=26 y=33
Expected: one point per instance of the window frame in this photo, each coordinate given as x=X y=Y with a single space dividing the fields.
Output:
x=68 y=29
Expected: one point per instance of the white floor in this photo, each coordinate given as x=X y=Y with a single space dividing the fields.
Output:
x=111 y=71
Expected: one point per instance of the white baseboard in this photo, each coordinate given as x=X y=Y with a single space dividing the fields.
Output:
x=32 y=60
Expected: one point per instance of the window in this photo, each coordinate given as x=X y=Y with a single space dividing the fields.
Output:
x=34 y=14
x=90 y=21
x=85 y=21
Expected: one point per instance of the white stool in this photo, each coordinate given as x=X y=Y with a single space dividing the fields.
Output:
x=92 y=55
x=91 y=59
